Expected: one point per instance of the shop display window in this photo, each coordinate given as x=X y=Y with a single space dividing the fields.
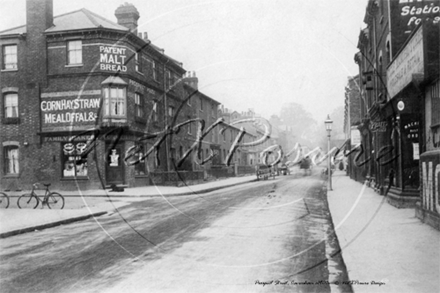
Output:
x=73 y=163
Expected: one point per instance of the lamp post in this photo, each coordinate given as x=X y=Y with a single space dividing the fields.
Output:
x=328 y=127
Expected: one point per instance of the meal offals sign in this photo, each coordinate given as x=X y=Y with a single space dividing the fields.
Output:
x=59 y=111
x=112 y=58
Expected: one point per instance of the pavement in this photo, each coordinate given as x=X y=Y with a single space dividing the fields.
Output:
x=84 y=204
x=385 y=249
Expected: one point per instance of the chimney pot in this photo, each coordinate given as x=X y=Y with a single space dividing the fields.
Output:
x=128 y=16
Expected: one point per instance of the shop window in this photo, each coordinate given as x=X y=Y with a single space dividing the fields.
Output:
x=11 y=159
x=115 y=102
x=139 y=168
x=73 y=163
x=10 y=106
x=9 y=57
x=74 y=52
x=139 y=105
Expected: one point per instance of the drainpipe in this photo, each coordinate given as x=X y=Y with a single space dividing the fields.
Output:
x=167 y=139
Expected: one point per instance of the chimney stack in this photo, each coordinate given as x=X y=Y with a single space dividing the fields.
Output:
x=128 y=16
x=39 y=15
x=192 y=80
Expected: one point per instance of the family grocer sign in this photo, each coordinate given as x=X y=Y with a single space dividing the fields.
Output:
x=112 y=58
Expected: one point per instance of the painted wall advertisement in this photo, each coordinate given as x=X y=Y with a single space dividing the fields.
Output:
x=62 y=111
x=112 y=58
x=407 y=63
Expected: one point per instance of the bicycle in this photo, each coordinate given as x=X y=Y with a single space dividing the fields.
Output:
x=31 y=200
x=4 y=200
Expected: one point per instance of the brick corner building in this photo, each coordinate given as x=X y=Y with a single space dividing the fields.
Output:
x=78 y=93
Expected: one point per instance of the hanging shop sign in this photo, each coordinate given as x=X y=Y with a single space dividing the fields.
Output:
x=408 y=62
x=112 y=58
x=378 y=126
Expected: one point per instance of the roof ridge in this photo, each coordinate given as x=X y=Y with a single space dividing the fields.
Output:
x=67 y=13
x=105 y=19
x=89 y=16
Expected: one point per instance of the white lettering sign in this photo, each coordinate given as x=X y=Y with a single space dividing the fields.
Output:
x=112 y=58
x=72 y=110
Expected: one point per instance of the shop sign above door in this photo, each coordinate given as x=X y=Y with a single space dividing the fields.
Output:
x=378 y=126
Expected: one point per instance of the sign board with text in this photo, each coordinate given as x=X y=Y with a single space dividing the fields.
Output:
x=408 y=62
x=62 y=111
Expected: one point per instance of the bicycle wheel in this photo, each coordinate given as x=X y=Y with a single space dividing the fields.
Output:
x=4 y=201
x=55 y=201
x=27 y=201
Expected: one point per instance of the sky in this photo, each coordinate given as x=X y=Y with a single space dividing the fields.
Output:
x=258 y=54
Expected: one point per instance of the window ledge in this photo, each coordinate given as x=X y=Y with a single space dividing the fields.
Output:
x=11 y=120
x=11 y=176
x=139 y=72
x=140 y=120
x=75 y=178
x=9 y=70
x=74 y=65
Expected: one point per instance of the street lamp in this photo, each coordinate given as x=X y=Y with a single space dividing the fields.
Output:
x=328 y=126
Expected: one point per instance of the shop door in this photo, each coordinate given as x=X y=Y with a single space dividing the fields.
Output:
x=114 y=169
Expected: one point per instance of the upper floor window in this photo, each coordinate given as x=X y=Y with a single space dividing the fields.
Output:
x=155 y=71
x=11 y=159
x=155 y=116
x=170 y=111
x=11 y=105
x=9 y=57
x=139 y=105
x=138 y=61
x=74 y=52
x=114 y=102
x=168 y=81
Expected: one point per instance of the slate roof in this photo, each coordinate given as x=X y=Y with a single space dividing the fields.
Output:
x=75 y=20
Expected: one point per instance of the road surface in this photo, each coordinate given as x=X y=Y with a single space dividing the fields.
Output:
x=266 y=236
